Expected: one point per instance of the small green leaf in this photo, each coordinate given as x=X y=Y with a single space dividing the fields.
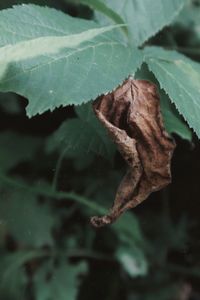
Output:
x=53 y=59
x=63 y=282
x=23 y=218
x=131 y=251
x=12 y=276
x=133 y=261
x=179 y=77
x=82 y=135
x=145 y=17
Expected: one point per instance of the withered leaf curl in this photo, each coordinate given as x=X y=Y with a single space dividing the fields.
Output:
x=133 y=119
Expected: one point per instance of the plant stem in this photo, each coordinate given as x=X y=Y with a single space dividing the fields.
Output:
x=57 y=170
x=48 y=192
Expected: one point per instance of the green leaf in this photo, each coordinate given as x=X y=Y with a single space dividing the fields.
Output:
x=77 y=136
x=145 y=17
x=179 y=77
x=189 y=18
x=16 y=148
x=53 y=59
x=103 y=8
x=172 y=119
x=131 y=252
x=12 y=276
x=63 y=282
x=133 y=261
x=22 y=217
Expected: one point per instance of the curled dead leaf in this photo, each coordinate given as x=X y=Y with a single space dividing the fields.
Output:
x=133 y=119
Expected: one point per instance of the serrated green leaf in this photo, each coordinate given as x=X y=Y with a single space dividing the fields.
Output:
x=179 y=76
x=58 y=60
x=172 y=119
x=63 y=282
x=16 y=148
x=23 y=218
x=83 y=135
x=146 y=17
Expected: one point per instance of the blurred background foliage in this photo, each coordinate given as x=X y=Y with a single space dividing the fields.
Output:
x=58 y=169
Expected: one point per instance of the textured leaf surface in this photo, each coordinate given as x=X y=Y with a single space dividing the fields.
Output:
x=82 y=135
x=24 y=219
x=179 y=77
x=146 y=17
x=53 y=59
x=63 y=283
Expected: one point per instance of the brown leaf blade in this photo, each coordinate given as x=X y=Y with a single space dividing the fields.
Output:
x=132 y=116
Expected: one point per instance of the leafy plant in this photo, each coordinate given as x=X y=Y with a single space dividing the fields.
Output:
x=60 y=166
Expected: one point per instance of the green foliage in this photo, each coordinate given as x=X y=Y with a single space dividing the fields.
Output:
x=145 y=17
x=172 y=119
x=57 y=51
x=18 y=213
x=12 y=275
x=59 y=169
x=101 y=6
x=15 y=148
x=72 y=141
x=179 y=77
x=63 y=280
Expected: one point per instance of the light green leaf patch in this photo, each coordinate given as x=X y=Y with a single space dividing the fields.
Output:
x=179 y=76
x=54 y=65
x=131 y=253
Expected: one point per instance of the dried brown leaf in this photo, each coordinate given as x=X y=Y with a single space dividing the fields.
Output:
x=133 y=119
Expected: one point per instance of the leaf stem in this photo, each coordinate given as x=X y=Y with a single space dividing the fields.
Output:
x=48 y=192
x=57 y=170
